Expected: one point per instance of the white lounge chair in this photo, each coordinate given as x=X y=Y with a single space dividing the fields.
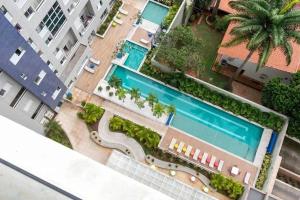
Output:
x=188 y=150
x=144 y=41
x=220 y=166
x=181 y=145
x=118 y=21
x=124 y=12
x=95 y=61
x=204 y=157
x=247 y=178
x=88 y=69
x=212 y=162
x=172 y=144
x=196 y=154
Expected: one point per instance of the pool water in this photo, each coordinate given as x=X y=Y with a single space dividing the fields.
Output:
x=155 y=12
x=197 y=118
x=136 y=54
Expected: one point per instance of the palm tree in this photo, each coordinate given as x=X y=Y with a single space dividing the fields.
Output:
x=263 y=27
x=135 y=94
x=158 y=110
x=115 y=82
x=171 y=109
x=288 y=6
x=140 y=104
x=121 y=93
x=152 y=99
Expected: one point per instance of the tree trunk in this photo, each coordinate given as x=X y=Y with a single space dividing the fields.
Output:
x=215 y=9
x=238 y=71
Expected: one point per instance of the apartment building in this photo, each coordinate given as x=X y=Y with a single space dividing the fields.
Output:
x=44 y=46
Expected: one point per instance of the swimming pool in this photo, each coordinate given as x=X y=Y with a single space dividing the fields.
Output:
x=197 y=118
x=154 y=12
x=136 y=55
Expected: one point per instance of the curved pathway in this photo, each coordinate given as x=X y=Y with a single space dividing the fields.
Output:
x=118 y=140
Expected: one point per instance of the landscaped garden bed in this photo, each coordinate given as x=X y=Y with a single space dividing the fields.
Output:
x=227 y=186
x=196 y=89
x=263 y=173
x=55 y=132
x=108 y=21
x=91 y=115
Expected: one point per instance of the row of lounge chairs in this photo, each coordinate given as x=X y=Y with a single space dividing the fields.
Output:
x=196 y=155
x=119 y=21
x=204 y=158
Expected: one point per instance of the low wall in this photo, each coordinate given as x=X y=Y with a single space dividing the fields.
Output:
x=179 y=17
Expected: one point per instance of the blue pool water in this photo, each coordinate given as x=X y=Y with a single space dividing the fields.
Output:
x=136 y=55
x=154 y=12
x=198 y=118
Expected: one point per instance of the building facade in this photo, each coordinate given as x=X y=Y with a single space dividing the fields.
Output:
x=44 y=46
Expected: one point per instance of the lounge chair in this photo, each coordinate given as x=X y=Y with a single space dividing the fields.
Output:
x=118 y=21
x=181 y=145
x=188 y=150
x=172 y=144
x=95 y=61
x=204 y=157
x=124 y=12
x=144 y=41
x=220 y=166
x=247 y=178
x=196 y=154
x=212 y=162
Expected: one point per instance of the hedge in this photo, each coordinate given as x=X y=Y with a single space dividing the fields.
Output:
x=196 y=89
x=110 y=17
x=263 y=173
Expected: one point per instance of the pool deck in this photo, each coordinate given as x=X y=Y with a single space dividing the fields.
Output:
x=229 y=160
x=139 y=34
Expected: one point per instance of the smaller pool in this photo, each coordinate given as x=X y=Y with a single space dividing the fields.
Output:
x=136 y=55
x=155 y=12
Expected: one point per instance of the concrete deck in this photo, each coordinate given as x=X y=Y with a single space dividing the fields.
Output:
x=229 y=160
x=141 y=34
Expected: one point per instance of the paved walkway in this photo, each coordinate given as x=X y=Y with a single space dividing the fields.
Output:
x=119 y=138
x=79 y=135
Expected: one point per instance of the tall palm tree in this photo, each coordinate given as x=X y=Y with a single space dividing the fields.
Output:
x=135 y=94
x=158 y=110
x=121 y=93
x=115 y=82
x=214 y=13
x=261 y=25
x=152 y=99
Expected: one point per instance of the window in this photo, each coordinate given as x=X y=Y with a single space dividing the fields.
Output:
x=15 y=58
x=40 y=77
x=103 y=14
x=18 y=27
x=23 y=76
x=54 y=19
x=3 y=10
x=111 y=2
x=5 y=89
x=56 y=93
x=29 y=12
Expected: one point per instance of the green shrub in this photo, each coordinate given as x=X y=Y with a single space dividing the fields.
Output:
x=190 y=86
x=54 y=131
x=227 y=186
x=169 y=2
x=263 y=173
x=285 y=98
x=170 y=16
x=221 y=24
x=145 y=136
x=110 y=17
x=83 y=103
x=91 y=113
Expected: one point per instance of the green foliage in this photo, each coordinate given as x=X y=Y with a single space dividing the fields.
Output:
x=69 y=96
x=263 y=173
x=158 y=110
x=115 y=82
x=171 y=109
x=121 y=93
x=202 y=4
x=169 y=2
x=285 y=98
x=145 y=136
x=54 y=131
x=181 y=50
x=152 y=99
x=83 y=103
x=135 y=94
x=140 y=104
x=110 y=17
x=227 y=186
x=272 y=30
x=190 y=86
x=91 y=113
x=221 y=24
x=170 y=16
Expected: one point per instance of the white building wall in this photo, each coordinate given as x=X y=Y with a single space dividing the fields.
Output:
x=262 y=75
x=11 y=87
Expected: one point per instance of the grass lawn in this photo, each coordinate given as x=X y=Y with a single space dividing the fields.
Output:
x=212 y=40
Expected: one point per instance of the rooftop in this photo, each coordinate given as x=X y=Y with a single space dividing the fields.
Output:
x=277 y=59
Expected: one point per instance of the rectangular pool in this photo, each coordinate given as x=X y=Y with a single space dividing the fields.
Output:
x=197 y=118
x=136 y=55
x=154 y=12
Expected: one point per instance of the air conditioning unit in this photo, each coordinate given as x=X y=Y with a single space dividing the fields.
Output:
x=49 y=114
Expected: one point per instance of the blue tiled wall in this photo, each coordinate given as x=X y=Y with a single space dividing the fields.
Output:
x=30 y=64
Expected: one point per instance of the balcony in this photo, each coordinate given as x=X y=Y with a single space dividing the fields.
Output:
x=85 y=18
x=66 y=46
